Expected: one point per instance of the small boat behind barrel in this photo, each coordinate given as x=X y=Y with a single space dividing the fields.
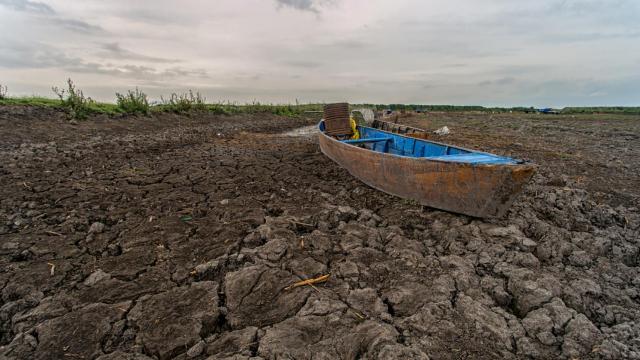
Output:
x=401 y=129
x=434 y=174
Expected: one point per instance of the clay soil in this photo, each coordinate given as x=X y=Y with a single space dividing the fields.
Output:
x=177 y=237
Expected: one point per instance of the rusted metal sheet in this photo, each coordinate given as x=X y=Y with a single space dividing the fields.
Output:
x=480 y=190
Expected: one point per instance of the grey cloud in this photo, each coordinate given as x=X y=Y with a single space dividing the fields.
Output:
x=178 y=71
x=155 y=18
x=303 y=5
x=246 y=94
x=76 y=25
x=456 y=37
x=606 y=10
x=619 y=18
x=247 y=76
x=585 y=37
x=31 y=55
x=462 y=50
x=40 y=56
x=584 y=92
x=115 y=51
x=28 y=6
x=349 y=44
x=507 y=80
x=137 y=72
x=302 y=64
x=298 y=4
x=42 y=10
x=457 y=65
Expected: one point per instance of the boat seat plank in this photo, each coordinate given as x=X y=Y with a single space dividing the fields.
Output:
x=474 y=158
x=367 y=140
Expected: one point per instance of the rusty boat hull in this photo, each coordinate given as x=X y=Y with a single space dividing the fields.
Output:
x=436 y=175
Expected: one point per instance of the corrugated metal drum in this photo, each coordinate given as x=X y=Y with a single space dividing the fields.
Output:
x=336 y=119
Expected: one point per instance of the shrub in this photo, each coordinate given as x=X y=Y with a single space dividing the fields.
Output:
x=77 y=106
x=133 y=102
x=185 y=103
x=257 y=108
x=3 y=92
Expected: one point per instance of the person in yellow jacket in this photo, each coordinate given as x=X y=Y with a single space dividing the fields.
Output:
x=354 y=129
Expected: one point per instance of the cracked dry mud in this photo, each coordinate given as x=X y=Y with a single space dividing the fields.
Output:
x=175 y=237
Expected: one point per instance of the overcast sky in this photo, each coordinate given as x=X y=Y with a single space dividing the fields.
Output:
x=490 y=52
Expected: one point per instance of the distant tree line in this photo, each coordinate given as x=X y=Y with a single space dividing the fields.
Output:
x=567 y=110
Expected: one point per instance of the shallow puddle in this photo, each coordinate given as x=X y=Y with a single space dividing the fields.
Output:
x=305 y=131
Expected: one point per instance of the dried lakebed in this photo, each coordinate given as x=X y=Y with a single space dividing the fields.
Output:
x=175 y=237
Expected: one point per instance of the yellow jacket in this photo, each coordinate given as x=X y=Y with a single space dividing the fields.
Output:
x=354 y=128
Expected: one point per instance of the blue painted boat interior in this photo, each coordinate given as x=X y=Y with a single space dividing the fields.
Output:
x=386 y=142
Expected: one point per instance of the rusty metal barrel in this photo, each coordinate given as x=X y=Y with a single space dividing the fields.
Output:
x=336 y=119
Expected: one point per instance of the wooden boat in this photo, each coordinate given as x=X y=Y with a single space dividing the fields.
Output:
x=437 y=175
x=396 y=128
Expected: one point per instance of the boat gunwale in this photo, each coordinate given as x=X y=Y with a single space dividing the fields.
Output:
x=519 y=163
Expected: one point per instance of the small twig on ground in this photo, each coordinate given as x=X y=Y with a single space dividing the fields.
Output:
x=53 y=233
x=24 y=183
x=53 y=268
x=357 y=314
x=319 y=279
x=62 y=198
